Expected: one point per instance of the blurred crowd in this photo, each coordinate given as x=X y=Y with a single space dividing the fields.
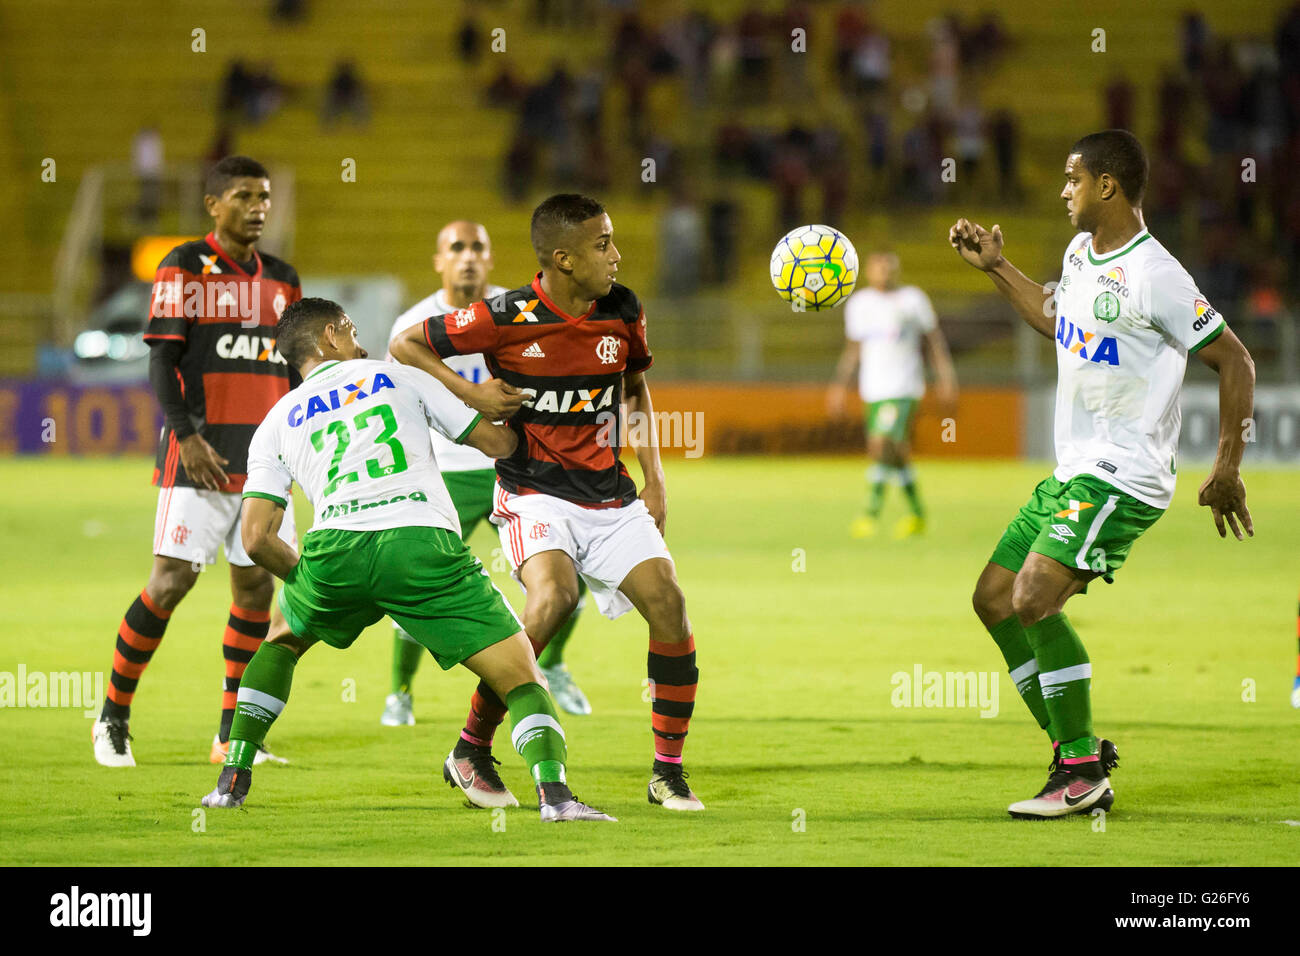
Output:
x=724 y=66
x=1225 y=138
x=880 y=139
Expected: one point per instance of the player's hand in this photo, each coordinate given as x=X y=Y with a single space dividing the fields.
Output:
x=977 y=245
x=202 y=463
x=656 y=502
x=495 y=400
x=947 y=396
x=837 y=401
x=1225 y=496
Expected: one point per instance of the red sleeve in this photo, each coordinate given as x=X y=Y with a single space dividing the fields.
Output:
x=638 y=354
x=167 y=306
x=463 y=332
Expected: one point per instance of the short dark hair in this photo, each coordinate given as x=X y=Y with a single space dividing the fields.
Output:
x=229 y=169
x=1118 y=153
x=300 y=328
x=556 y=216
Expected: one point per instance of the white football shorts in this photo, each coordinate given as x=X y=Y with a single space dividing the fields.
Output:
x=192 y=523
x=604 y=543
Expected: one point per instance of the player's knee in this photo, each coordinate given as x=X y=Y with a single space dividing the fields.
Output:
x=556 y=600
x=668 y=605
x=1029 y=603
x=168 y=587
x=254 y=597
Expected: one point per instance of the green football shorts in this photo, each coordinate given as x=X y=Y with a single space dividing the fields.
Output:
x=1084 y=523
x=425 y=579
x=891 y=418
x=471 y=492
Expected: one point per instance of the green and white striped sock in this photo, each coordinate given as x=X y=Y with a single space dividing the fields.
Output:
x=263 y=692
x=536 y=732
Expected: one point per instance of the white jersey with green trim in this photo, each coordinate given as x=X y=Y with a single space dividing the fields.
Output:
x=472 y=368
x=890 y=325
x=1125 y=324
x=355 y=437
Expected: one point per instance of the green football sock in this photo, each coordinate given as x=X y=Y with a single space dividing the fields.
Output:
x=406 y=661
x=263 y=692
x=1014 y=645
x=877 y=475
x=907 y=478
x=553 y=653
x=536 y=733
x=1066 y=678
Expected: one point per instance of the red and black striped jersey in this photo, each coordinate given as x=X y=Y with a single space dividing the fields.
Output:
x=230 y=371
x=572 y=367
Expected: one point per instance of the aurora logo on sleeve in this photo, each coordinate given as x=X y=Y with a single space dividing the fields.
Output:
x=336 y=398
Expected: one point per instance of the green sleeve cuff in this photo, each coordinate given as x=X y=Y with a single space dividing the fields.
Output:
x=261 y=494
x=478 y=416
x=1208 y=339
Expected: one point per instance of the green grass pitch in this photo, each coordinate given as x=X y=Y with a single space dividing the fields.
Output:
x=795 y=747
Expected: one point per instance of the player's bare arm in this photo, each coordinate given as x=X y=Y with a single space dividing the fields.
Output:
x=1223 y=492
x=841 y=390
x=636 y=398
x=494 y=399
x=260 y=533
x=495 y=441
x=982 y=249
x=944 y=372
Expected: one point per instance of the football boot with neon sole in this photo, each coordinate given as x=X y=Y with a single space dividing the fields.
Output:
x=668 y=788
x=219 y=751
x=910 y=526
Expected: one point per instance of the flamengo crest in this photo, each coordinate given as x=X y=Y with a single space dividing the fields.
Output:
x=607 y=349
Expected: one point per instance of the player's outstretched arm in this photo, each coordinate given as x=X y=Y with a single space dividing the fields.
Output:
x=636 y=399
x=1224 y=493
x=982 y=249
x=840 y=393
x=945 y=372
x=260 y=533
x=495 y=441
x=494 y=399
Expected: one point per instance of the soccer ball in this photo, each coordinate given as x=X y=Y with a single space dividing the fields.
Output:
x=814 y=268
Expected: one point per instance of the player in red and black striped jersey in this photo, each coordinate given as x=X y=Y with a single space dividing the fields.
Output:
x=215 y=369
x=567 y=353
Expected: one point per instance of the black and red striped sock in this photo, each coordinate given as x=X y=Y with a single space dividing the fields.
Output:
x=245 y=631
x=138 y=637
x=673 y=679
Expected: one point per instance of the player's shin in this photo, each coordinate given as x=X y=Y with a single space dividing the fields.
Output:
x=262 y=695
x=138 y=636
x=552 y=655
x=1065 y=676
x=1014 y=645
x=406 y=660
x=536 y=733
x=673 y=679
x=877 y=478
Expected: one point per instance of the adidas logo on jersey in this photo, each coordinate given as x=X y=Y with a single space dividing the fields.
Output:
x=534 y=351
